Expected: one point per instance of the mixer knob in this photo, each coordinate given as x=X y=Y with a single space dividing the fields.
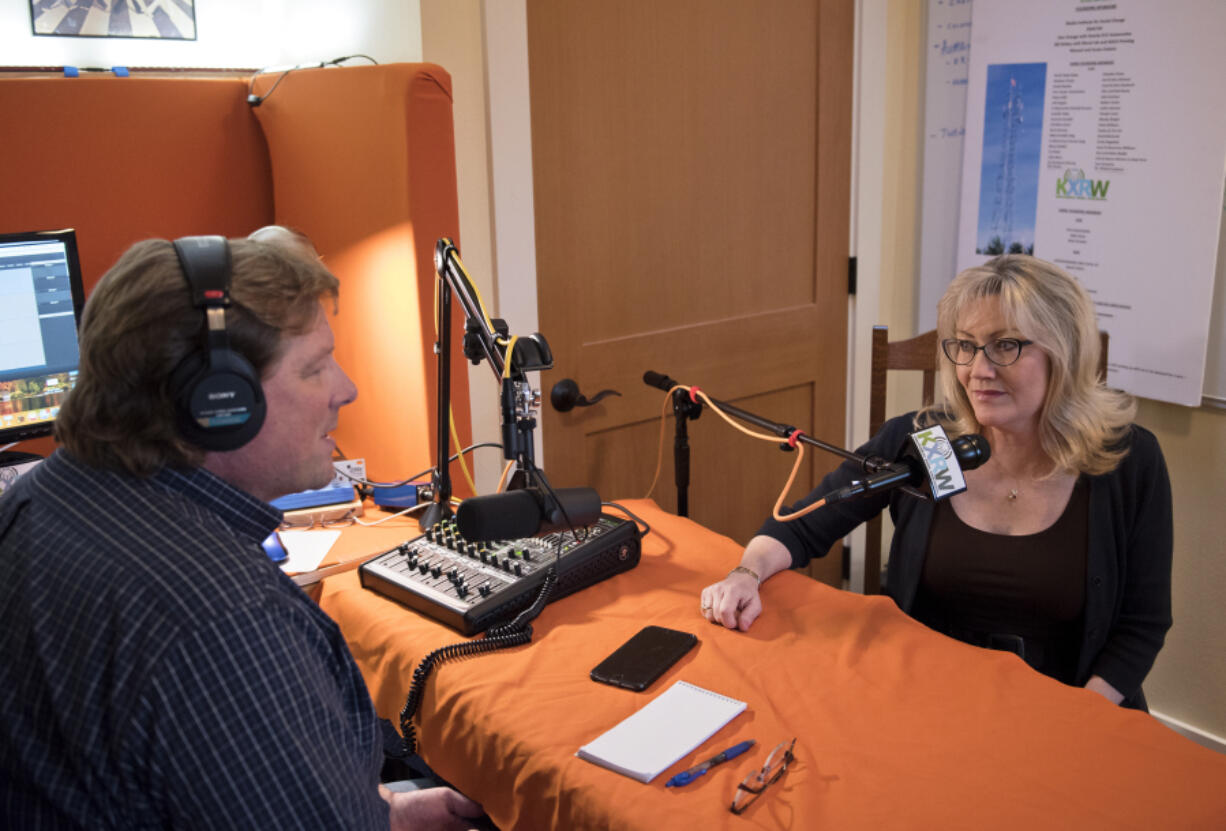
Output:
x=519 y=569
x=484 y=589
x=461 y=589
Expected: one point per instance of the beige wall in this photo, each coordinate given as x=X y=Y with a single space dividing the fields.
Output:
x=1188 y=682
x=453 y=36
x=902 y=174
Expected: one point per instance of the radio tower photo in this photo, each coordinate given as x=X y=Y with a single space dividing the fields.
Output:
x=1002 y=209
x=1009 y=172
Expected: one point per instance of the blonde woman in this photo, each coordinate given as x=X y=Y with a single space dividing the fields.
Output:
x=1060 y=547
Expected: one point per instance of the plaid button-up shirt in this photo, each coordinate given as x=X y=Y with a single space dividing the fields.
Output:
x=158 y=671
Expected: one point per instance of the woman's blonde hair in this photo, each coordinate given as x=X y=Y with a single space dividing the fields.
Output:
x=139 y=324
x=1082 y=423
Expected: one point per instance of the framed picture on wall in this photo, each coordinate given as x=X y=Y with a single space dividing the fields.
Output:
x=158 y=19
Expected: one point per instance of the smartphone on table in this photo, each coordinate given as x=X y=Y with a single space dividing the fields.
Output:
x=645 y=657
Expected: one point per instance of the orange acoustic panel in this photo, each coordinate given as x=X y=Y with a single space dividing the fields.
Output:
x=126 y=159
x=363 y=161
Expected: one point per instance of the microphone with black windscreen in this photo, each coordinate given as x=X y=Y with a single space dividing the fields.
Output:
x=929 y=466
x=658 y=380
x=526 y=512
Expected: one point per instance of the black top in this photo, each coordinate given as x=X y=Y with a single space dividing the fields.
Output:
x=1024 y=593
x=1128 y=570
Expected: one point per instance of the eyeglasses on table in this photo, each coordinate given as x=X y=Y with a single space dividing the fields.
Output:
x=756 y=783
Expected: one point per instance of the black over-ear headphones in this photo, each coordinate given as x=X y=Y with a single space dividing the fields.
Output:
x=218 y=398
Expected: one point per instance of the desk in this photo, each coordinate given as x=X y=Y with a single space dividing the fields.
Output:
x=896 y=726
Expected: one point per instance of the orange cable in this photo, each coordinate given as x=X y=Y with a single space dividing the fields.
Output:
x=695 y=392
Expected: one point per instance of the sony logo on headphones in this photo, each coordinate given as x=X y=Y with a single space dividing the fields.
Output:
x=213 y=396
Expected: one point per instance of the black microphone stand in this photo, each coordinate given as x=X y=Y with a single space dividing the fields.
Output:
x=790 y=434
x=440 y=508
x=685 y=410
x=481 y=340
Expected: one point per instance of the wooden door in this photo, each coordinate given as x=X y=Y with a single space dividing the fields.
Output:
x=691 y=164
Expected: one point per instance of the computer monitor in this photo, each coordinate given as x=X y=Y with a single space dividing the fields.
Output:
x=41 y=296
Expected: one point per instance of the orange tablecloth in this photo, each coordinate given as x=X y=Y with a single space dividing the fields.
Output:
x=896 y=726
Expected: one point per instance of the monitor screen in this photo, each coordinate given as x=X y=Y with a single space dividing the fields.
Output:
x=40 y=304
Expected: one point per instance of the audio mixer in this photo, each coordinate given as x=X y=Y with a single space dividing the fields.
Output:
x=471 y=586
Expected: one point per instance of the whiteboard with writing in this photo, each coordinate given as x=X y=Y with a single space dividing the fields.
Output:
x=948 y=49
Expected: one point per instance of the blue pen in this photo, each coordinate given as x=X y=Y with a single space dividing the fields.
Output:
x=688 y=776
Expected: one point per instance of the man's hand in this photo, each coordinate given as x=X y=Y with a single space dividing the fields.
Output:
x=432 y=809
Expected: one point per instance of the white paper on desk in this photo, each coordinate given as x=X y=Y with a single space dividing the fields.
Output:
x=306 y=548
x=645 y=744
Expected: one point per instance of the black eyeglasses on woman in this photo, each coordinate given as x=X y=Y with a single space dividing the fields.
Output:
x=1001 y=351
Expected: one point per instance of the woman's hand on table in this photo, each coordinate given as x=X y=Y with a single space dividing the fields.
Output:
x=735 y=602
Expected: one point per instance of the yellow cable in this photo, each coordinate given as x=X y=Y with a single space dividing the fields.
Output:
x=506 y=364
x=660 y=451
x=502 y=480
x=459 y=449
x=455 y=435
x=506 y=368
x=480 y=303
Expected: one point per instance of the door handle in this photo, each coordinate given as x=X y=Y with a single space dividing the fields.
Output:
x=565 y=396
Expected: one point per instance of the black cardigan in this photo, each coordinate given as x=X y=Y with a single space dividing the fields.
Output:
x=1128 y=575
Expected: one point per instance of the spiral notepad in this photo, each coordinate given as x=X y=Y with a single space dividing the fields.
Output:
x=645 y=744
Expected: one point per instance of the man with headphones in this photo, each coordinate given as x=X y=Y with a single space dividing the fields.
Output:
x=156 y=669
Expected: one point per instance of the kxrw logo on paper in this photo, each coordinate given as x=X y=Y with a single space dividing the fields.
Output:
x=1075 y=185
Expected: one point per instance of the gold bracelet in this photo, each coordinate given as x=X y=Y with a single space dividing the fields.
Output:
x=745 y=570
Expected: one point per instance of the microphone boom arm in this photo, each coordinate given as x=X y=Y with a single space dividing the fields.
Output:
x=510 y=359
x=870 y=464
x=451 y=270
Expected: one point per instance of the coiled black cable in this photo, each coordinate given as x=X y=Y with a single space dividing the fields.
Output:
x=515 y=633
